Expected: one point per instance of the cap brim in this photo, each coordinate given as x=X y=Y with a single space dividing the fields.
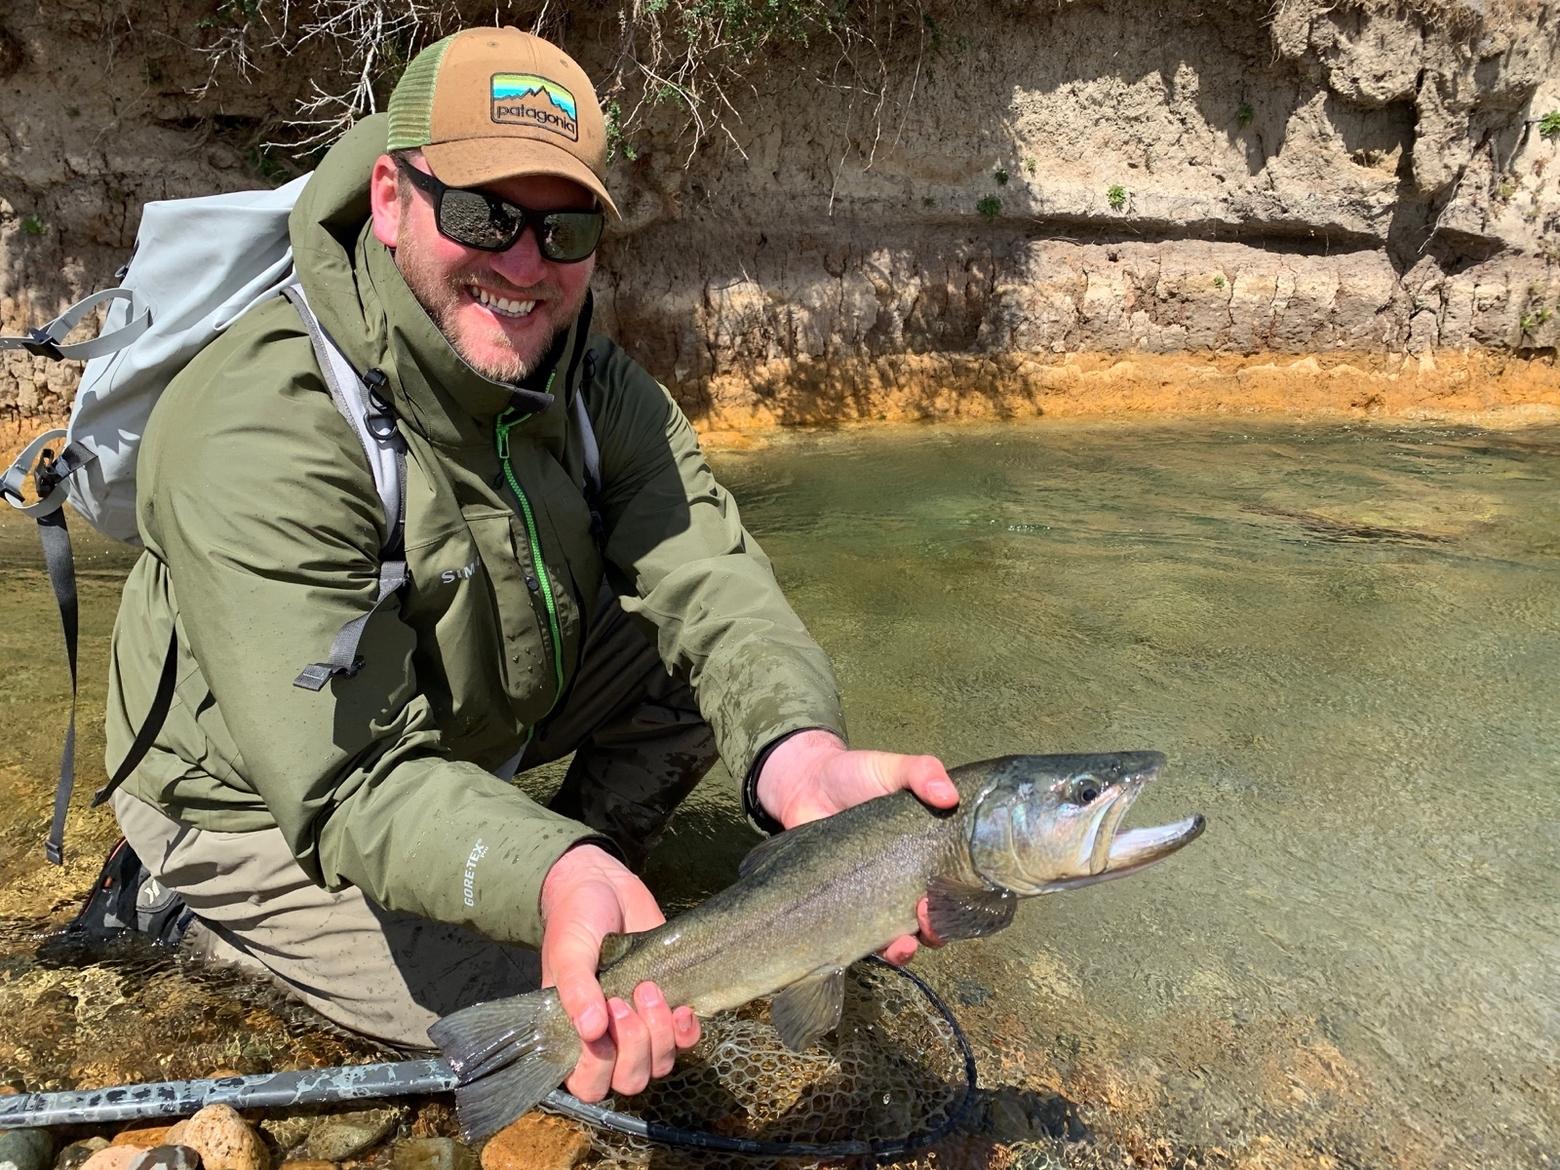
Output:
x=472 y=162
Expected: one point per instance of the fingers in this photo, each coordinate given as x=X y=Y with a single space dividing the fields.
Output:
x=591 y=1079
x=642 y=1042
x=900 y=951
x=928 y=936
x=657 y=1017
x=685 y=1026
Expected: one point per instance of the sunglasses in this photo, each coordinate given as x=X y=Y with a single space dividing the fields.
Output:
x=476 y=219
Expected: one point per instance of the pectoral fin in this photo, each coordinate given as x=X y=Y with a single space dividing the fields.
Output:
x=806 y=1010
x=956 y=911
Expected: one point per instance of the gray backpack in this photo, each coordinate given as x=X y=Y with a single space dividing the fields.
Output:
x=198 y=266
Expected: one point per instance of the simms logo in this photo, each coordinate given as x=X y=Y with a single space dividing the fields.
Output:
x=464 y=573
x=524 y=99
x=469 y=885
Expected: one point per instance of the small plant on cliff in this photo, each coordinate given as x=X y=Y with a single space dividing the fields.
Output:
x=1001 y=176
x=1245 y=114
x=1218 y=282
x=1116 y=196
x=618 y=146
x=990 y=207
x=1549 y=125
x=31 y=225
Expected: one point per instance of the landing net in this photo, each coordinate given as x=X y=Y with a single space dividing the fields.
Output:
x=891 y=1079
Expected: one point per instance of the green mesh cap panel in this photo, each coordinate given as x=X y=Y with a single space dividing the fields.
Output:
x=411 y=102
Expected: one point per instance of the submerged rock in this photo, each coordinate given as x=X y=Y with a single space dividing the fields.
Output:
x=342 y=1135
x=433 y=1153
x=26 y=1149
x=73 y=1156
x=1013 y=1115
x=143 y=1137
x=536 y=1142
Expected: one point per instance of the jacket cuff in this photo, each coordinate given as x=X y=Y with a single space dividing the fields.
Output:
x=757 y=815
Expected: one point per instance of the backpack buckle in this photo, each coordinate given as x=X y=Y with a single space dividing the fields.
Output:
x=40 y=343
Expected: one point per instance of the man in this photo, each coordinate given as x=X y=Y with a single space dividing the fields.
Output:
x=361 y=842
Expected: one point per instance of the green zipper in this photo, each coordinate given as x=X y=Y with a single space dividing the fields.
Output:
x=501 y=434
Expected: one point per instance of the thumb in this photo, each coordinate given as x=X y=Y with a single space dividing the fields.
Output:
x=571 y=967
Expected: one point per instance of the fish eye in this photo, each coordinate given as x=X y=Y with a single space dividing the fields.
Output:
x=1086 y=791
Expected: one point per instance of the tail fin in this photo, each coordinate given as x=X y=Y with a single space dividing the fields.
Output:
x=508 y=1054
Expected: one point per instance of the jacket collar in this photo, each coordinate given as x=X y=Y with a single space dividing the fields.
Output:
x=435 y=390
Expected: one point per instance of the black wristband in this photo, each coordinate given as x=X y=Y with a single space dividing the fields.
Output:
x=758 y=816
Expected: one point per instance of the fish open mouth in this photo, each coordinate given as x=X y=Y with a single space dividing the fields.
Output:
x=1117 y=852
x=1133 y=849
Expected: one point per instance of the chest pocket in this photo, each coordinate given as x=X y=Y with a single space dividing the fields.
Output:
x=485 y=656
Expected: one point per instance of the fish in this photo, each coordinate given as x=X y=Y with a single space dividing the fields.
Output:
x=811 y=901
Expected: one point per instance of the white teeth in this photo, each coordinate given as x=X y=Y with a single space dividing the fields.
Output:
x=503 y=306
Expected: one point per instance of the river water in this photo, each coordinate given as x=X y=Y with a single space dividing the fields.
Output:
x=1346 y=639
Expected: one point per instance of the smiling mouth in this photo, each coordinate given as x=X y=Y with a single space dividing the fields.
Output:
x=500 y=306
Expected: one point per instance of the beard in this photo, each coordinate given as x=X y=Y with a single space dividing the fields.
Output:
x=484 y=346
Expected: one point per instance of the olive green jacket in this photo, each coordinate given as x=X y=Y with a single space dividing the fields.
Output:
x=263 y=532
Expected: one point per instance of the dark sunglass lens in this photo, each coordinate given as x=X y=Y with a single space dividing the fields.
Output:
x=570 y=235
x=468 y=218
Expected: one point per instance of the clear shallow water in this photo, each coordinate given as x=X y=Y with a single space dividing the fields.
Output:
x=1347 y=642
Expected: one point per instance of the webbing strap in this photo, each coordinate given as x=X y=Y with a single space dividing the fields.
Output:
x=62 y=576
x=156 y=715
x=15 y=478
x=369 y=416
x=48 y=340
x=344 y=658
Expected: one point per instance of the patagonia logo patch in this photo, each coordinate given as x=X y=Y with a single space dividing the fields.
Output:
x=524 y=99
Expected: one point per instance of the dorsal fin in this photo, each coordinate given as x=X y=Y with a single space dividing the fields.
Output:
x=767 y=851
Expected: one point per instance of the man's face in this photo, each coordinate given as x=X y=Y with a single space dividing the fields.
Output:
x=500 y=310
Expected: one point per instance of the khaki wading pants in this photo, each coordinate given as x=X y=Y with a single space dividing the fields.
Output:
x=640 y=746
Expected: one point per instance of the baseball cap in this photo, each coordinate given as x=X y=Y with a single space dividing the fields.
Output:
x=486 y=104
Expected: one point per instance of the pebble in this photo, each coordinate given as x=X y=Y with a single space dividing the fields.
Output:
x=167 y=1158
x=73 y=1155
x=26 y=1149
x=223 y=1140
x=970 y=993
x=341 y=1135
x=113 y=1158
x=536 y=1142
x=288 y=1133
x=142 y=1136
x=433 y=1153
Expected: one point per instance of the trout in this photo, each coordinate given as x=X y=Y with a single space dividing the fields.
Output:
x=811 y=901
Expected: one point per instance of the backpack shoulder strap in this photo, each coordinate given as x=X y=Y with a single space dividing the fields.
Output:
x=360 y=399
x=592 y=451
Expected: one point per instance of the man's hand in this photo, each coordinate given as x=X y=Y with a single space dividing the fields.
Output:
x=587 y=895
x=813 y=775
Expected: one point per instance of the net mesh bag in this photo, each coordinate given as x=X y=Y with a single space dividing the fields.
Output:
x=894 y=1069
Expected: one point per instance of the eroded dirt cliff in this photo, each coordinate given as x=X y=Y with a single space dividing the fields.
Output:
x=882 y=224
